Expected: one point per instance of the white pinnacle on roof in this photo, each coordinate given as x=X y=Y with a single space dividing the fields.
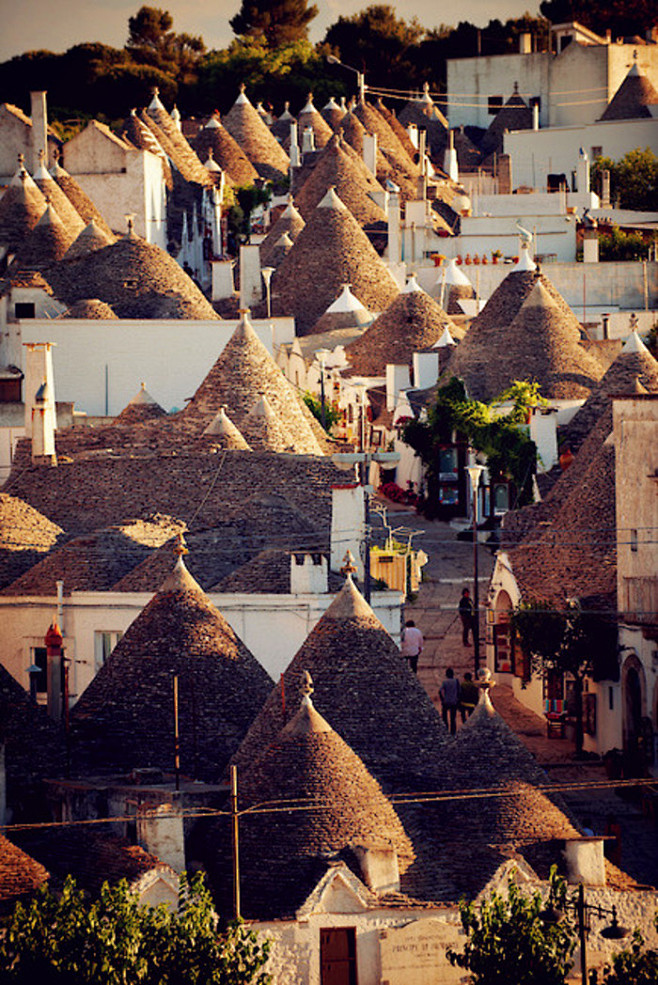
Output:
x=309 y=108
x=454 y=276
x=332 y=201
x=346 y=301
x=143 y=397
x=525 y=261
x=175 y=114
x=212 y=124
x=634 y=344
x=242 y=98
x=180 y=580
x=286 y=115
x=41 y=173
x=156 y=102
x=412 y=286
x=332 y=104
x=445 y=340
x=211 y=164
x=284 y=240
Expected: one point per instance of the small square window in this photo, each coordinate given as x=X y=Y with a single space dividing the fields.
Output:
x=25 y=309
x=634 y=541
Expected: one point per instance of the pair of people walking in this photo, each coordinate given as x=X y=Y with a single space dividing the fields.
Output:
x=457 y=697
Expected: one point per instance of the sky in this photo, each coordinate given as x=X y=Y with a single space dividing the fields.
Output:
x=29 y=25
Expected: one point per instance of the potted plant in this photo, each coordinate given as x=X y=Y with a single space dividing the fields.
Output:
x=496 y=255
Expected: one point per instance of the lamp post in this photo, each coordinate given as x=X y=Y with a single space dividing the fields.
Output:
x=474 y=473
x=581 y=910
x=360 y=76
x=267 y=277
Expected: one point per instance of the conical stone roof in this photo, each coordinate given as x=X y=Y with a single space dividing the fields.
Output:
x=246 y=126
x=20 y=875
x=264 y=430
x=310 y=117
x=91 y=238
x=424 y=114
x=45 y=244
x=80 y=201
x=330 y=251
x=365 y=687
x=277 y=253
x=514 y=115
x=540 y=340
x=397 y=129
x=280 y=128
x=413 y=321
x=242 y=373
x=457 y=287
x=633 y=97
x=225 y=433
x=387 y=140
x=387 y=168
x=332 y=113
x=25 y=536
x=185 y=159
x=142 y=407
x=308 y=764
x=290 y=222
x=137 y=279
x=634 y=363
x=124 y=719
x=352 y=183
x=345 y=312
x=21 y=207
x=90 y=308
x=226 y=151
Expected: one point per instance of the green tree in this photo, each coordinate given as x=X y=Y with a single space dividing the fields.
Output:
x=331 y=415
x=633 y=179
x=67 y=940
x=502 y=437
x=379 y=43
x=151 y=41
x=277 y=21
x=570 y=641
x=509 y=943
x=623 y=18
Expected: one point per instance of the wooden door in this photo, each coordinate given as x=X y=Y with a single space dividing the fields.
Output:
x=338 y=956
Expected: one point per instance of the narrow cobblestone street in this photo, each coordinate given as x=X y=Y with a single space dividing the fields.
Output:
x=448 y=571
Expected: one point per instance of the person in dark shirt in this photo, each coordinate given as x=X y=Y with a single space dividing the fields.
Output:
x=449 y=695
x=466 y=615
x=469 y=695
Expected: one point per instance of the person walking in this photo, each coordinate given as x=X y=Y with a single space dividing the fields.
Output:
x=449 y=695
x=466 y=615
x=469 y=695
x=412 y=644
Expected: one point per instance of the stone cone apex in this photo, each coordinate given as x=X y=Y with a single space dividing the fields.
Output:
x=222 y=426
x=91 y=238
x=212 y=124
x=307 y=721
x=445 y=340
x=634 y=344
x=211 y=164
x=346 y=301
x=412 y=285
x=156 y=102
x=331 y=201
x=349 y=604
x=264 y=429
x=180 y=580
x=142 y=397
x=140 y=408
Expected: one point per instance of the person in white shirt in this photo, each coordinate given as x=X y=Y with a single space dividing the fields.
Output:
x=412 y=644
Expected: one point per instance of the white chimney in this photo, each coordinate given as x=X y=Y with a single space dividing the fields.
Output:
x=39 y=128
x=38 y=370
x=370 y=152
x=347 y=525
x=397 y=378
x=160 y=832
x=295 y=157
x=582 y=173
x=309 y=574
x=450 y=165
x=308 y=141
x=251 y=281
x=425 y=369
x=535 y=116
x=222 y=279
x=394 y=244
x=585 y=861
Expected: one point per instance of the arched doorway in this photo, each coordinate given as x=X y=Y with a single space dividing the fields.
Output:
x=502 y=636
x=633 y=710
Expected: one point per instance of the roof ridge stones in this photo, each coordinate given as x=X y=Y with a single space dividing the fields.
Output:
x=413 y=321
x=331 y=250
x=246 y=126
x=365 y=689
x=124 y=719
x=243 y=371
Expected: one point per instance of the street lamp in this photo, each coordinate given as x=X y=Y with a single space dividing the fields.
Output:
x=474 y=473
x=554 y=913
x=360 y=76
x=267 y=277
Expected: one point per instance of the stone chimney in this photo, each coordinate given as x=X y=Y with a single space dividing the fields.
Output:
x=39 y=128
x=38 y=368
x=370 y=152
x=295 y=158
x=379 y=868
x=43 y=430
x=222 y=279
x=394 y=244
x=397 y=378
x=585 y=861
x=450 y=165
x=308 y=574
x=582 y=172
x=160 y=831
x=308 y=141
